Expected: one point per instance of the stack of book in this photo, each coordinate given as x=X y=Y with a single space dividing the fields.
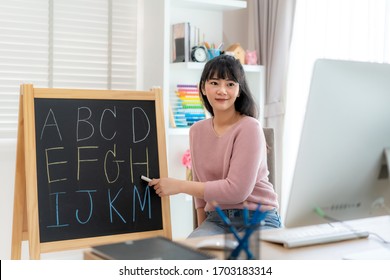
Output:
x=184 y=37
x=187 y=108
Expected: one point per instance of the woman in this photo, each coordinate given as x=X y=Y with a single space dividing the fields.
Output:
x=228 y=153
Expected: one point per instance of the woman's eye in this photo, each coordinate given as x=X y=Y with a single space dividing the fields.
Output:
x=231 y=84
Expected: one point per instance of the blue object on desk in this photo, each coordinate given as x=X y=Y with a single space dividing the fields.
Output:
x=243 y=243
x=250 y=227
x=227 y=222
x=246 y=215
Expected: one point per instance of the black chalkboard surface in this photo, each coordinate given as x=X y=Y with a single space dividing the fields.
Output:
x=84 y=152
x=90 y=157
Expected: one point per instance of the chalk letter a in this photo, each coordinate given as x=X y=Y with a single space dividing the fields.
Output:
x=53 y=122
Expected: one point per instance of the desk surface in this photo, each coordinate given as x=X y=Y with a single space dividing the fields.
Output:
x=330 y=251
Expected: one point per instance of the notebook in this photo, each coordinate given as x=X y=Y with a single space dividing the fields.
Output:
x=154 y=248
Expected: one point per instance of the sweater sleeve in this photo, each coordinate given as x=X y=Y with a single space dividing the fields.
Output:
x=248 y=154
x=199 y=203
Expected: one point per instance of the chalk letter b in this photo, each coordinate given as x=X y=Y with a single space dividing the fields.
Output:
x=86 y=122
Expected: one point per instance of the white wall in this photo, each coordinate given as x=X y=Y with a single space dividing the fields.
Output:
x=153 y=47
x=235 y=28
x=7 y=171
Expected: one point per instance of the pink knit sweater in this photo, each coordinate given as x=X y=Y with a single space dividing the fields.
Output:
x=233 y=165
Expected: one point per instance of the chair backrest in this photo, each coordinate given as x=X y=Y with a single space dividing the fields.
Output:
x=270 y=140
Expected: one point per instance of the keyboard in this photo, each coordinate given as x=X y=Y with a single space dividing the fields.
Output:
x=311 y=235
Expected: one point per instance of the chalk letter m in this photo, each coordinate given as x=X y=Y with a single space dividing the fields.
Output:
x=142 y=204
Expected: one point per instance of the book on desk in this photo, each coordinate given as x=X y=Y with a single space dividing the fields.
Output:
x=154 y=248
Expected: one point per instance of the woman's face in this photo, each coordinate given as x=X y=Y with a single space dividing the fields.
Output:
x=221 y=93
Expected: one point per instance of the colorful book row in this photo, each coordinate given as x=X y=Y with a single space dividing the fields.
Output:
x=187 y=108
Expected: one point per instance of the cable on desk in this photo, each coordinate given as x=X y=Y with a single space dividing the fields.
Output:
x=323 y=215
x=384 y=241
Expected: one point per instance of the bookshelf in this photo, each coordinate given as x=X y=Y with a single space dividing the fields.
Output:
x=218 y=21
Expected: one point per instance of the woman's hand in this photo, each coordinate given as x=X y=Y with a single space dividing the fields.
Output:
x=170 y=186
x=165 y=186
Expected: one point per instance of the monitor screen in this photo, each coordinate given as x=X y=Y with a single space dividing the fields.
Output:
x=341 y=168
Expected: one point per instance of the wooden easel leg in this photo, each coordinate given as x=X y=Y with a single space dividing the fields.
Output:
x=19 y=219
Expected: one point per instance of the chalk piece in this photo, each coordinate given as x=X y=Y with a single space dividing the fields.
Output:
x=145 y=178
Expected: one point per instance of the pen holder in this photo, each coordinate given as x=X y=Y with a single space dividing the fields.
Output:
x=245 y=246
x=213 y=53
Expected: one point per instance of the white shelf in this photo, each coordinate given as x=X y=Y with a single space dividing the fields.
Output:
x=217 y=5
x=187 y=65
x=178 y=131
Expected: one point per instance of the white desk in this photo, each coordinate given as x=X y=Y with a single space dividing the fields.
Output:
x=330 y=251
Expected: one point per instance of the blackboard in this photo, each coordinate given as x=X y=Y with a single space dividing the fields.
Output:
x=90 y=157
x=89 y=150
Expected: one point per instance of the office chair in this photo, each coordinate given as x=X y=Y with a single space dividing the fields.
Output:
x=270 y=140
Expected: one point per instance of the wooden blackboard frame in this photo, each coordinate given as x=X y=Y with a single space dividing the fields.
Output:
x=26 y=218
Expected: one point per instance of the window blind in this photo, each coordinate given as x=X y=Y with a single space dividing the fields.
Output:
x=64 y=44
x=23 y=55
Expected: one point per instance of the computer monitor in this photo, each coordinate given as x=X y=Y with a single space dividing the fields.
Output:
x=341 y=169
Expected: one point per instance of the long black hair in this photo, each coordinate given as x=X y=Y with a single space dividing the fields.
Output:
x=227 y=67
